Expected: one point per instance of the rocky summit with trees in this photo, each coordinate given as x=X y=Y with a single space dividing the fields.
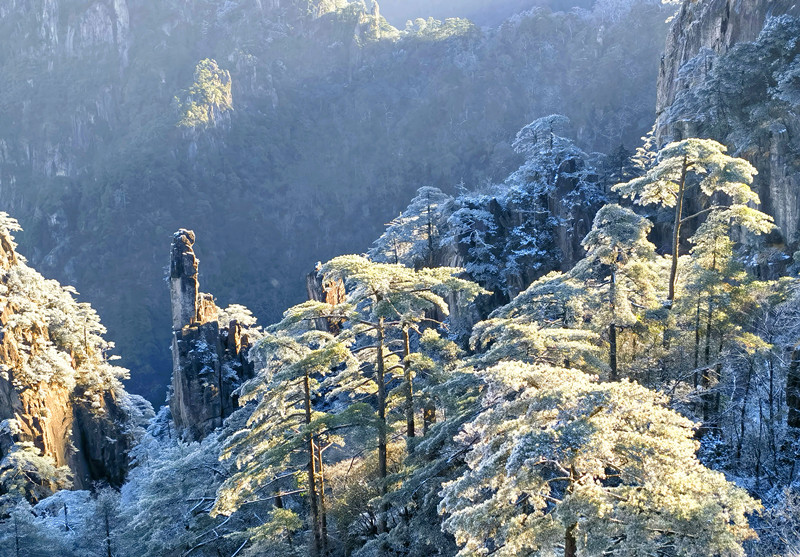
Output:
x=558 y=346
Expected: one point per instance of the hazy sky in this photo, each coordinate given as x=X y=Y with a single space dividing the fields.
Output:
x=483 y=12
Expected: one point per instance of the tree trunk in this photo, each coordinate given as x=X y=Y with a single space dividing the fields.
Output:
x=612 y=327
x=16 y=534
x=771 y=399
x=108 y=536
x=793 y=390
x=570 y=544
x=382 y=457
x=612 y=350
x=697 y=342
x=676 y=232
x=312 y=473
x=428 y=416
x=709 y=319
x=322 y=510
x=409 y=383
x=709 y=372
x=743 y=413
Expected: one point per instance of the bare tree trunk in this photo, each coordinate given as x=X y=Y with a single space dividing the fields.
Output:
x=743 y=414
x=570 y=544
x=382 y=454
x=612 y=327
x=758 y=445
x=322 y=509
x=409 y=383
x=709 y=319
x=793 y=390
x=708 y=373
x=108 y=535
x=16 y=535
x=697 y=342
x=312 y=473
x=612 y=351
x=773 y=446
x=676 y=232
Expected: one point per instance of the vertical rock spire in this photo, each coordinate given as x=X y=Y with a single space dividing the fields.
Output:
x=208 y=362
x=184 y=289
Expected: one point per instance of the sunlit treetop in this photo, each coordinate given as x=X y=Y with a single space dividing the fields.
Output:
x=560 y=460
x=397 y=292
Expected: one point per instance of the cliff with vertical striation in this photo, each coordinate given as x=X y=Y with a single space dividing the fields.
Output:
x=720 y=77
x=709 y=24
x=209 y=356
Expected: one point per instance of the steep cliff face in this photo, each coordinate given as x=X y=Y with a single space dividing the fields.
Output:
x=57 y=389
x=721 y=76
x=48 y=43
x=709 y=24
x=209 y=355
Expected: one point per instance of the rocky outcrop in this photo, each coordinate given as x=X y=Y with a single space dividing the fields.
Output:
x=63 y=398
x=184 y=289
x=329 y=292
x=702 y=34
x=209 y=359
x=709 y=24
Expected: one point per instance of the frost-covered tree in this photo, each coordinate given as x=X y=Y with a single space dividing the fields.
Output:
x=618 y=270
x=164 y=506
x=282 y=442
x=551 y=161
x=716 y=289
x=411 y=238
x=700 y=165
x=23 y=534
x=561 y=463
x=27 y=474
x=436 y=457
x=741 y=97
x=473 y=225
x=511 y=232
x=542 y=324
x=388 y=301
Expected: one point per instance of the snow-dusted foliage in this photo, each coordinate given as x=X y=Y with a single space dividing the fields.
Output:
x=412 y=237
x=59 y=339
x=506 y=235
x=559 y=460
x=59 y=389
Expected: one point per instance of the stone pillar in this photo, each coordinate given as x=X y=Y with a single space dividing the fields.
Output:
x=183 y=280
x=208 y=364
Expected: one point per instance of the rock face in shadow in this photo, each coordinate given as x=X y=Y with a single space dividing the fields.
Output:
x=702 y=33
x=57 y=390
x=209 y=361
x=713 y=24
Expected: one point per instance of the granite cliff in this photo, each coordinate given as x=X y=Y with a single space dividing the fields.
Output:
x=724 y=75
x=59 y=393
x=122 y=120
x=209 y=349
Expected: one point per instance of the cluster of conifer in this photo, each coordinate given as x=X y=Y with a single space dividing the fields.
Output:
x=397 y=420
x=571 y=421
